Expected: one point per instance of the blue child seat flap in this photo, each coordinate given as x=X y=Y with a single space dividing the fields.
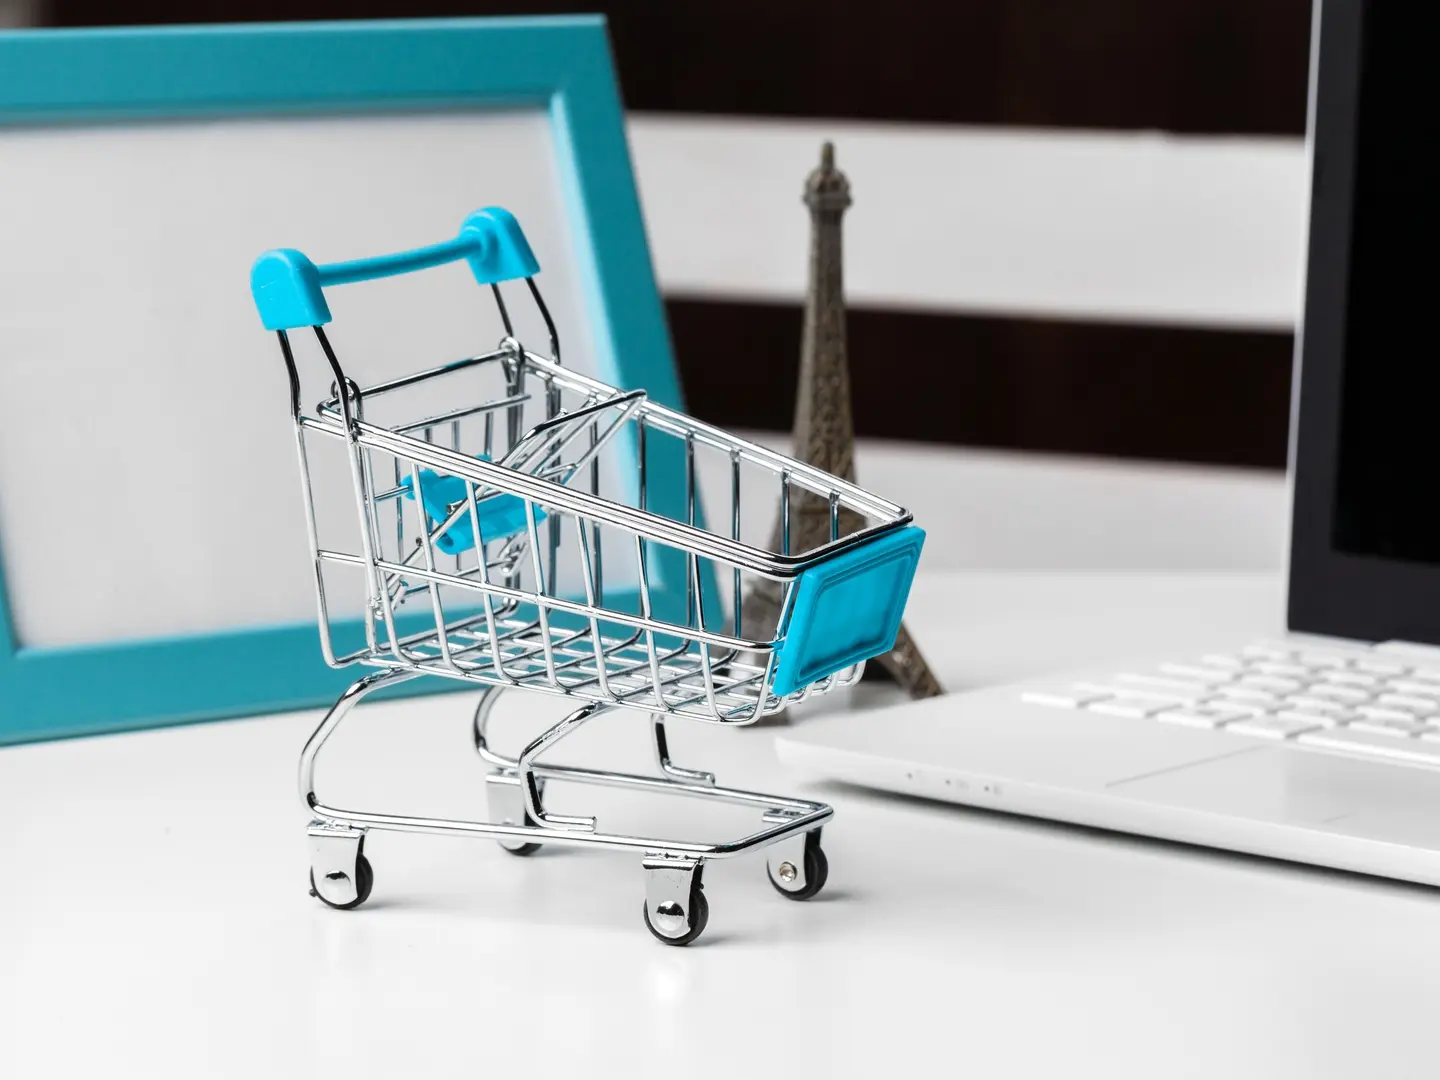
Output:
x=501 y=515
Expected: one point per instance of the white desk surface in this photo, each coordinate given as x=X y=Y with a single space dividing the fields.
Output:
x=154 y=920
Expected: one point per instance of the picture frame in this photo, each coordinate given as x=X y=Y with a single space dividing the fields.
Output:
x=112 y=78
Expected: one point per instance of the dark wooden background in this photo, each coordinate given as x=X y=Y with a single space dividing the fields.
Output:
x=1184 y=66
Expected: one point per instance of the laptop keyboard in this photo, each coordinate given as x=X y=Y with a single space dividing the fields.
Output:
x=1375 y=702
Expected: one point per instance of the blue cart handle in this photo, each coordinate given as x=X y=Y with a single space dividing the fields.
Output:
x=289 y=289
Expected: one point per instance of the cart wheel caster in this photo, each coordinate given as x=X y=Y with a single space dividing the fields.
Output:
x=518 y=849
x=802 y=878
x=364 y=882
x=507 y=806
x=340 y=875
x=676 y=910
x=698 y=917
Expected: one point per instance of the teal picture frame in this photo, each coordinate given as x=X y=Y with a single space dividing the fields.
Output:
x=563 y=64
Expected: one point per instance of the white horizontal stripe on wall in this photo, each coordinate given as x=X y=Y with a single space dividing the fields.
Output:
x=1135 y=227
x=1059 y=513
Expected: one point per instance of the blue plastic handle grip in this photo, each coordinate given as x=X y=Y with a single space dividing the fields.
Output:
x=289 y=289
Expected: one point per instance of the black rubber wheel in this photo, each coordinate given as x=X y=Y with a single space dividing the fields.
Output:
x=817 y=872
x=521 y=851
x=364 y=882
x=525 y=849
x=699 y=905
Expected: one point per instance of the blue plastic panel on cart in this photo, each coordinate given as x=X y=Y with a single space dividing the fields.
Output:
x=500 y=515
x=848 y=609
x=289 y=289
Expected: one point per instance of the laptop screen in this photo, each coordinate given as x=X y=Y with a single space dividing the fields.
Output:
x=1365 y=538
x=1389 y=449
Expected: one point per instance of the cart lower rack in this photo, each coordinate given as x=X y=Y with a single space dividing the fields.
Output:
x=518 y=525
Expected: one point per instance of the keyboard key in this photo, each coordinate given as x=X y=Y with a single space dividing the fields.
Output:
x=1202 y=716
x=1245 y=693
x=1149 y=693
x=1372 y=745
x=1388 y=725
x=1322 y=705
x=1184 y=687
x=1381 y=667
x=1317 y=719
x=1337 y=693
x=1061 y=697
x=1380 y=712
x=1285 y=671
x=1249 y=708
x=1194 y=671
x=1420 y=689
x=1271 y=683
x=1419 y=705
x=1131 y=707
x=1349 y=678
x=1282 y=726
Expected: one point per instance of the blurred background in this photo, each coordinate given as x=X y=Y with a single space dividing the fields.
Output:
x=1078 y=228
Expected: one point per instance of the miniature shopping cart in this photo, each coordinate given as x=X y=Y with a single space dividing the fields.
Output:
x=521 y=525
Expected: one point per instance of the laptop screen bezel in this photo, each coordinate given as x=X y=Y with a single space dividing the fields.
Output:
x=1334 y=592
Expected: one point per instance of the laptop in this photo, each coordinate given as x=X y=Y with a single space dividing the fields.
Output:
x=1321 y=745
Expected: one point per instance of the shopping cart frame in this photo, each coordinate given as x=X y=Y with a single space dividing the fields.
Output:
x=734 y=689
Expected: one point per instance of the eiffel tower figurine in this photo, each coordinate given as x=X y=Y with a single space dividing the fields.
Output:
x=824 y=427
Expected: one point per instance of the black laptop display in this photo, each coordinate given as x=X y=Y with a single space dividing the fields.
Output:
x=1365 y=554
